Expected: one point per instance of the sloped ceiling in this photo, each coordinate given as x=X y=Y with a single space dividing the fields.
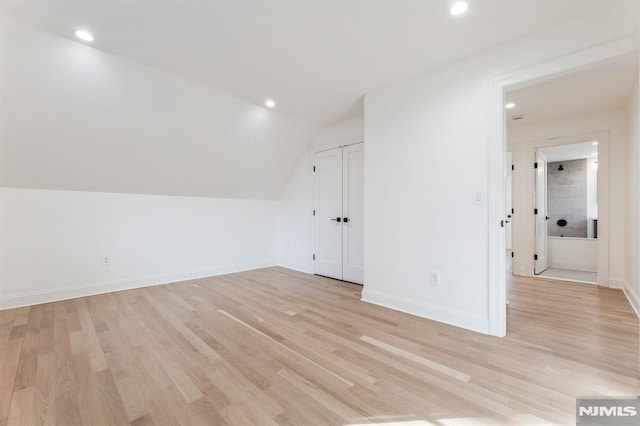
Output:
x=168 y=99
x=317 y=58
x=75 y=118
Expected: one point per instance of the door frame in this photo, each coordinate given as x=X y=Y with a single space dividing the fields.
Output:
x=538 y=157
x=315 y=150
x=530 y=148
x=510 y=212
x=497 y=148
x=349 y=273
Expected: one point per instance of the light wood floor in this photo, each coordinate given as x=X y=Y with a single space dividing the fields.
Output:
x=279 y=347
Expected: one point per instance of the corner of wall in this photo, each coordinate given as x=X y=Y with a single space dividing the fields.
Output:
x=71 y=292
x=295 y=204
x=429 y=311
x=632 y=296
x=343 y=133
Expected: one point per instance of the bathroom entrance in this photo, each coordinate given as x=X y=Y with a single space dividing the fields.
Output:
x=566 y=212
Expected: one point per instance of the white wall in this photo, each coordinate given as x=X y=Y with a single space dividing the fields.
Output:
x=577 y=254
x=632 y=218
x=427 y=152
x=346 y=132
x=519 y=138
x=295 y=205
x=85 y=135
x=52 y=242
x=295 y=220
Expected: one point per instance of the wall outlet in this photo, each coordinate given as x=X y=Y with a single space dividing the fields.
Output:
x=106 y=261
x=435 y=278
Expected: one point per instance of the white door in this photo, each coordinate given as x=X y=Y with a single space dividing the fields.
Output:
x=540 y=264
x=353 y=213
x=339 y=213
x=509 y=221
x=328 y=213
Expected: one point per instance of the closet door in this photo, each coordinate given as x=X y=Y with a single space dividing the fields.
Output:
x=353 y=213
x=328 y=213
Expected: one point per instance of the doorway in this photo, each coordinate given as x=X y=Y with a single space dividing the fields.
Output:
x=523 y=219
x=339 y=213
x=567 y=212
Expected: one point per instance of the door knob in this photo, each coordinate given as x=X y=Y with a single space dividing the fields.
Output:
x=345 y=220
x=337 y=219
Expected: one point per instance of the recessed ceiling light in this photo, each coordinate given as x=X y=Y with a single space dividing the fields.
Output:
x=510 y=105
x=269 y=103
x=459 y=8
x=595 y=144
x=84 y=35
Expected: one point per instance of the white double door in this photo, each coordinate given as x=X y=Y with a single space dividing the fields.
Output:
x=339 y=213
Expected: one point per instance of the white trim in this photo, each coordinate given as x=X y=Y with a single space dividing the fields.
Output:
x=497 y=151
x=567 y=280
x=307 y=268
x=329 y=146
x=634 y=298
x=72 y=292
x=582 y=267
x=425 y=310
x=619 y=284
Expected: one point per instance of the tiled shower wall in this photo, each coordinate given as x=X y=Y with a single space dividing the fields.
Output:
x=567 y=198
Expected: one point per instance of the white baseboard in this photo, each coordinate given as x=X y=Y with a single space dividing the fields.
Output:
x=573 y=266
x=307 y=268
x=634 y=298
x=619 y=284
x=71 y=292
x=425 y=310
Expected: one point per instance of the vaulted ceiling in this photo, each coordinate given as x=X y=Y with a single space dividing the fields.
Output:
x=316 y=58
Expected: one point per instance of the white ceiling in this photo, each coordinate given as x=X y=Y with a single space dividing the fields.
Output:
x=316 y=58
x=598 y=88
x=570 y=152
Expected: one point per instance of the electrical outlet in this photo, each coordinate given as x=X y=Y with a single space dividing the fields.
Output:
x=435 y=278
x=106 y=261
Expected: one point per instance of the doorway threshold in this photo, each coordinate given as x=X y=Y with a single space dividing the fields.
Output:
x=581 y=277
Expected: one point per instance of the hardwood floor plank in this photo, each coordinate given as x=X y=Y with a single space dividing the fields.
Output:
x=45 y=404
x=9 y=360
x=26 y=375
x=94 y=350
x=22 y=411
x=417 y=359
x=66 y=396
x=283 y=346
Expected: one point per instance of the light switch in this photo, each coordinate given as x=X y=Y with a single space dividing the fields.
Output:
x=478 y=197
